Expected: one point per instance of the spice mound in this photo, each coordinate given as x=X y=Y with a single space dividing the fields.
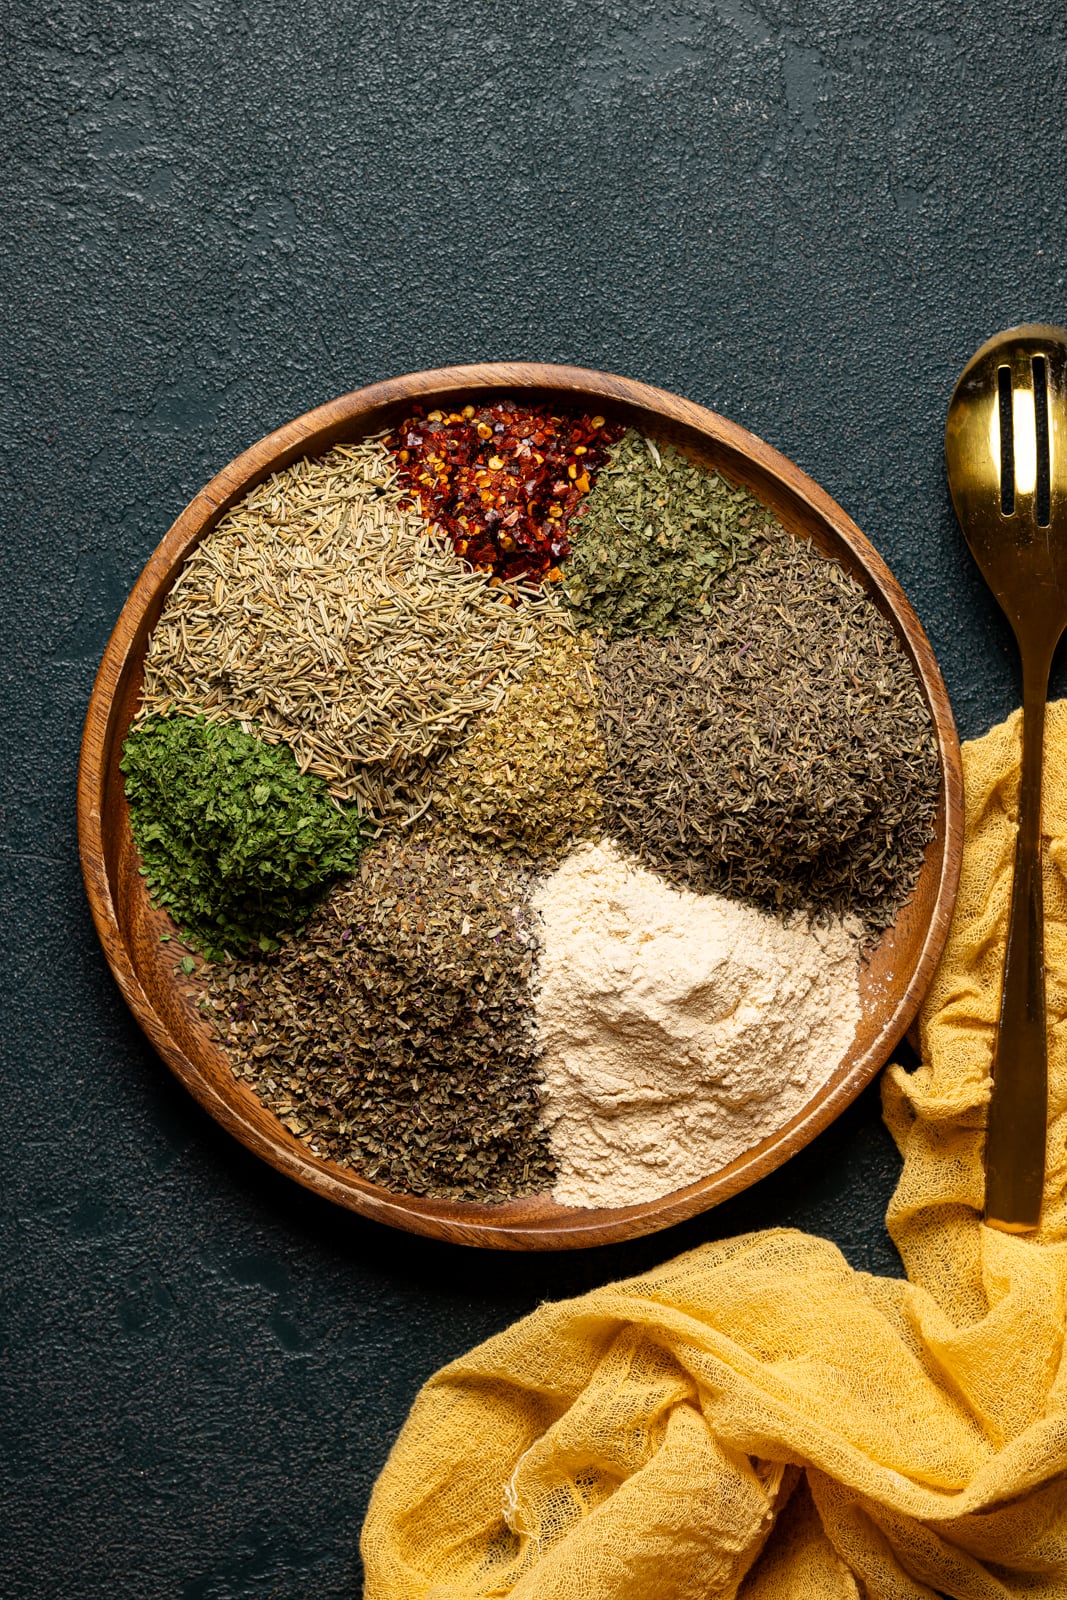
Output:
x=677 y=1030
x=395 y=1036
x=780 y=752
x=235 y=841
x=654 y=537
x=326 y=612
x=527 y=777
x=503 y=480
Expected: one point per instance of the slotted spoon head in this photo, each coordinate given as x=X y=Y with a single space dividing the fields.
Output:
x=1006 y=452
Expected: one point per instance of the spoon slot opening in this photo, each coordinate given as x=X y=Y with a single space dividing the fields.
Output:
x=1044 y=508
x=1007 y=443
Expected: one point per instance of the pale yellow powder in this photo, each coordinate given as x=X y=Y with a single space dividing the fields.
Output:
x=677 y=1029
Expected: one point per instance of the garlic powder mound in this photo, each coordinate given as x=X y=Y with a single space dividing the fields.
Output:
x=677 y=1030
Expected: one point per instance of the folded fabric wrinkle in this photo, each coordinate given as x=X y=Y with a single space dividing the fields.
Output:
x=756 y=1419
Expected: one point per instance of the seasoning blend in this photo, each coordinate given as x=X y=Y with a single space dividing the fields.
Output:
x=542 y=793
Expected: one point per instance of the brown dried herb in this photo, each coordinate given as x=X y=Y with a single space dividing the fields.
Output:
x=395 y=1036
x=780 y=752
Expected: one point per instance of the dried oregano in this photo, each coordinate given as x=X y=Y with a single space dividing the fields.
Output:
x=653 y=538
x=526 y=777
x=235 y=841
x=395 y=1035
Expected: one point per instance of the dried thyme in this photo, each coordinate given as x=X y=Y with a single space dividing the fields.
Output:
x=234 y=840
x=780 y=752
x=526 y=777
x=395 y=1035
x=653 y=538
x=330 y=617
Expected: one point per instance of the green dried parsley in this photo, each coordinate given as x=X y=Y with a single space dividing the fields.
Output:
x=654 y=537
x=235 y=841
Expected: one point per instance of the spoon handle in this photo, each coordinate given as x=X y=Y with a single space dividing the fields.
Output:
x=1018 y=1107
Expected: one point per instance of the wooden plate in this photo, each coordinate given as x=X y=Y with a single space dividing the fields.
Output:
x=891 y=985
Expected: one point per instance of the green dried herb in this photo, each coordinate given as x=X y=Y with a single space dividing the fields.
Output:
x=526 y=778
x=395 y=1035
x=780 y=752
x=236 y=842
x=653 y=539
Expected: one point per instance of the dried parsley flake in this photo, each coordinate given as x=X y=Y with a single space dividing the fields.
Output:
x=236 y=842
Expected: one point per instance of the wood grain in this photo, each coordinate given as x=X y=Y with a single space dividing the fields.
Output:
x=892 y=983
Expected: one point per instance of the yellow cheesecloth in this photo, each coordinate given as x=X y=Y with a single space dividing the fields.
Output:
x=757 y=1419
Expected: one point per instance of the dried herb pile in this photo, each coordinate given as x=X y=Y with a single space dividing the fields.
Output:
x=397 y=684
x=653 y=539
x=235 y=841
x=527 y=777
x=335 y=620
x=503 y=480
x=395 y=1035
x=779 y=751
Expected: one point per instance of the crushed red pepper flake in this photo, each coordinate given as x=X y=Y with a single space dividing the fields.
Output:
x=503 y=480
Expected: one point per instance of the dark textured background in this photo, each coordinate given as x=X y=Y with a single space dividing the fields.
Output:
x=218 y=214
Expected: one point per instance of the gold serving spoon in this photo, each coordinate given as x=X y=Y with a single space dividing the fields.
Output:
x=1006 y=448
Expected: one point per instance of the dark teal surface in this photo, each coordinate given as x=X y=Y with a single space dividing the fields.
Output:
x=216 y=215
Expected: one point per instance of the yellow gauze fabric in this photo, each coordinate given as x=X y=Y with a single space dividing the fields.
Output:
x=755 y=1419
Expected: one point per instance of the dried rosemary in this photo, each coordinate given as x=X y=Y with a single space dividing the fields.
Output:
x=780 y=752
x=330 y=617
x=526 y=777
x=395 y=1035
x=653 y=537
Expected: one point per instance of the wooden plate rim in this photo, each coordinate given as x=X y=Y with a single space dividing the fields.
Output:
x=468 y=1223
